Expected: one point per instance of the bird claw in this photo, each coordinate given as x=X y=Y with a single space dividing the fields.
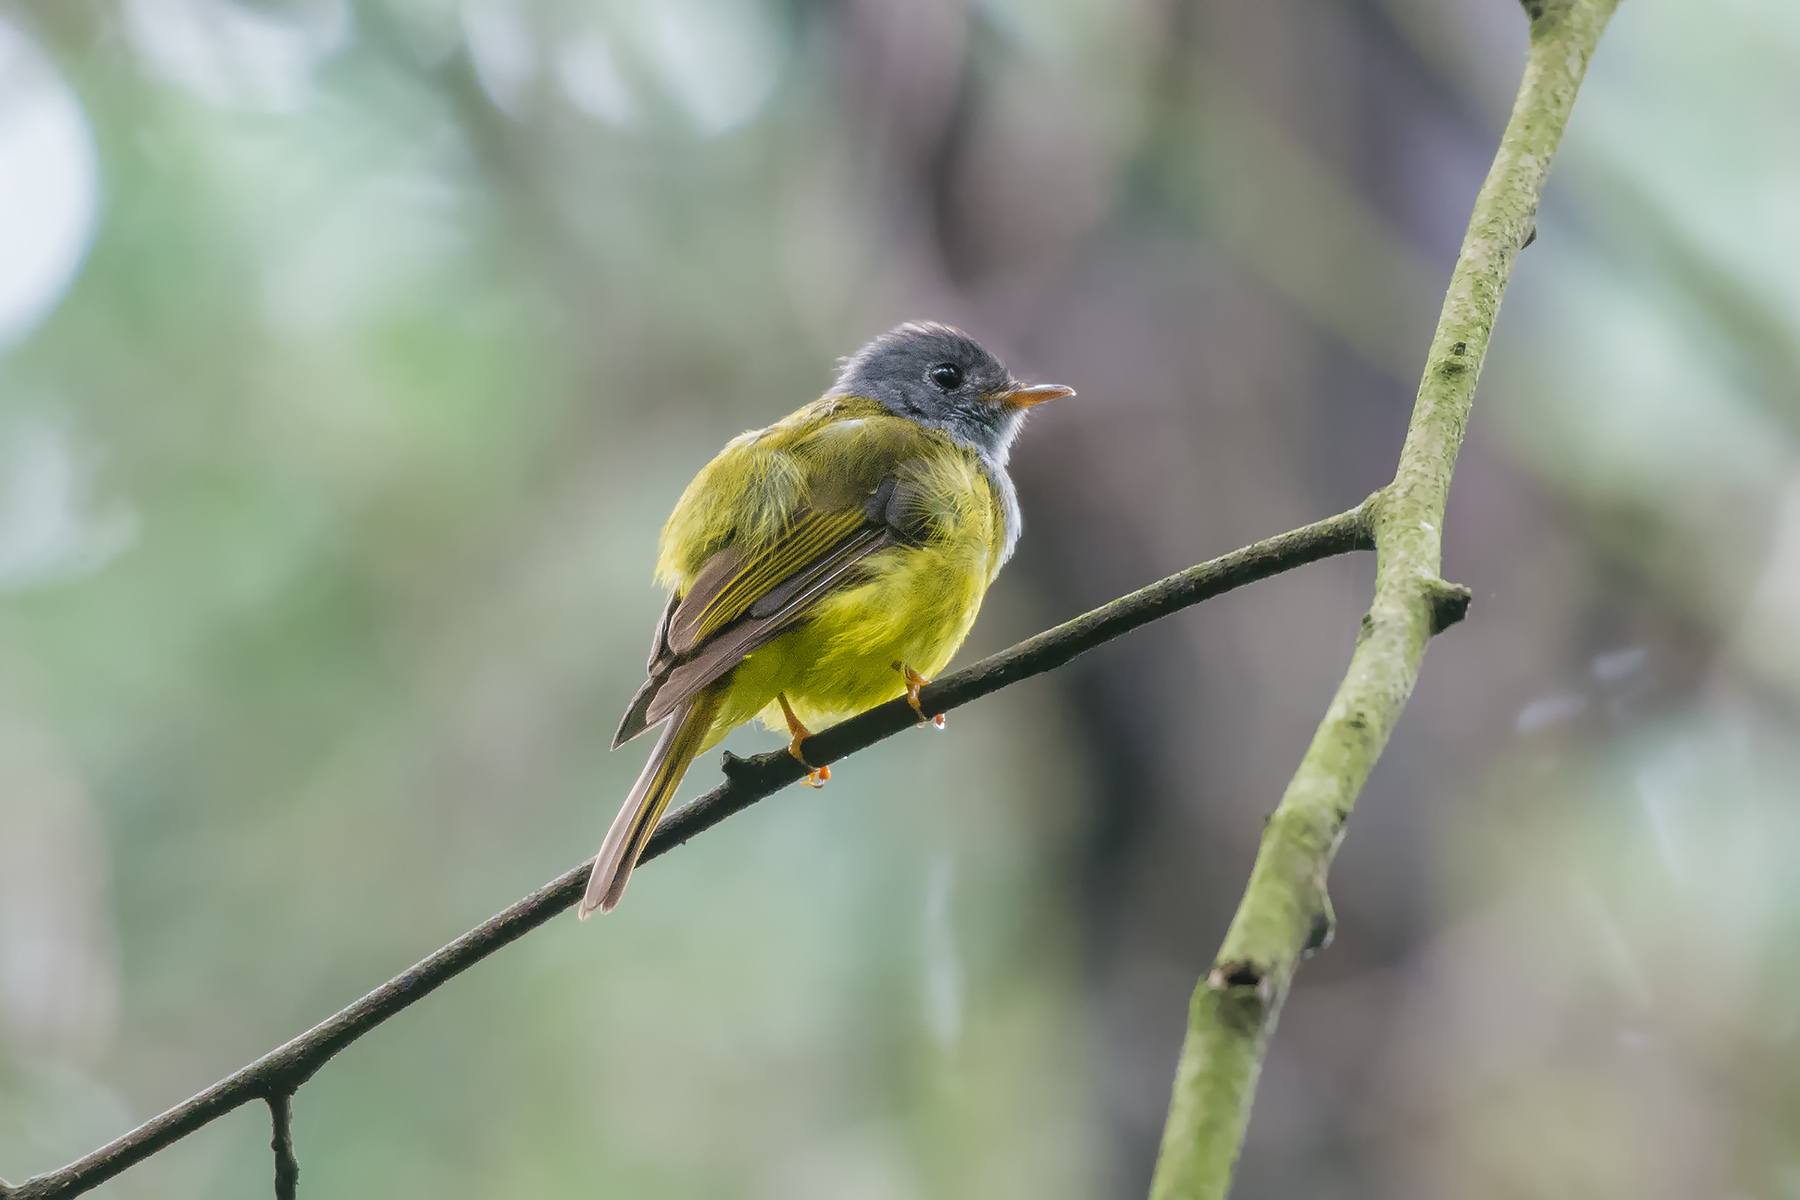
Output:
x=915 y=681
x=816 y=777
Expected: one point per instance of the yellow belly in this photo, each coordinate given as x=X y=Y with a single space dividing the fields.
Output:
x=916 y=608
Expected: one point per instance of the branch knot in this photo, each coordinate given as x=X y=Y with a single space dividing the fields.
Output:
x=1449 y=603
x=1538 y=10
x=1245 y=977
x=1245 y=992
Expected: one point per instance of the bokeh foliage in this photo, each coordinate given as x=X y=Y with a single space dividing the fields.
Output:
x=329 y=488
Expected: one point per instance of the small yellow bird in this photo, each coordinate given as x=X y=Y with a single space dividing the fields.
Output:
x=826 y=564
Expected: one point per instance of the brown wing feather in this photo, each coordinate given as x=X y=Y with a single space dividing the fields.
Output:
x=735 y=644
x=731 y=581
x=661 y=660
x=736 y=606
x=687 y=610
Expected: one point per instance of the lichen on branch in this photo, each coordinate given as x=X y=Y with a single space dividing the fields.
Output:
x=1286 y=910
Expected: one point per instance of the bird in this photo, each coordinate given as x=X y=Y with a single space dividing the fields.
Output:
x=826 y=564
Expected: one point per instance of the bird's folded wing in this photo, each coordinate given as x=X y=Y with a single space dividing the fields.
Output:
x=741 y=601
x=732 y=582
x=733 y=644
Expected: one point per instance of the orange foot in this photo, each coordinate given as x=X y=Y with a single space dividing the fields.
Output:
x=915 y=681
x=816 y=776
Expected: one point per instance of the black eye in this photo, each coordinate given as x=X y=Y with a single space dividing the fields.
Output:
x=948 y=376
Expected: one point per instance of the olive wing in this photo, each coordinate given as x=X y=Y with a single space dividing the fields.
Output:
x=741 y=601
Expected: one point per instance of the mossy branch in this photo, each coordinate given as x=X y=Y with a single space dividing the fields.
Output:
x=1286 y=911
x=277 y=1075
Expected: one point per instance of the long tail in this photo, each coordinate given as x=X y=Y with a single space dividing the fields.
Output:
x=676 y=747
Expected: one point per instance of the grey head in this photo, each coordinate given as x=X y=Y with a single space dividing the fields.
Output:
x=943 y=379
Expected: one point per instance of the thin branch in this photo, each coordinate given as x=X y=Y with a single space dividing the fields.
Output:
x=281 y=1071
x=1285 y=911
x=281 y=1141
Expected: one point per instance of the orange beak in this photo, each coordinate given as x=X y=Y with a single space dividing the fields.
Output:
x=1024 y=395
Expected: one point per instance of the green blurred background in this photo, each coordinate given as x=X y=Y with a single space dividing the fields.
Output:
x=352 y=351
